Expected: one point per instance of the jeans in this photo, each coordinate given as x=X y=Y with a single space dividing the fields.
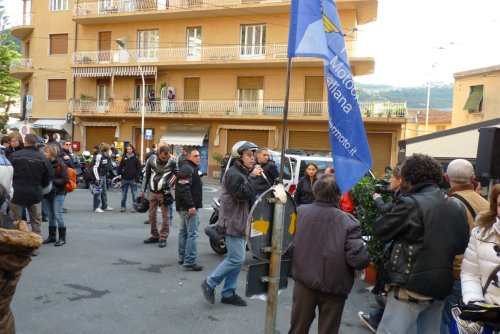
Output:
x=451 y=300
x=53 y=206
x=229 y=269
x=133 y=189
x=401 y=316
x=155 y=200
x=377 y=313
x=188 y=233
x=103 y=196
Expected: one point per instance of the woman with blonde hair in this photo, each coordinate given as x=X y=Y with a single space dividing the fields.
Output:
x=481 y=264
x=53 y=202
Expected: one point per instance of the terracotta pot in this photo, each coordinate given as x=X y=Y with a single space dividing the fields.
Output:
x=370 y=274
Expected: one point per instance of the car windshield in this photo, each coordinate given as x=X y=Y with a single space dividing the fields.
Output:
x=287 y=168
x=321 y=165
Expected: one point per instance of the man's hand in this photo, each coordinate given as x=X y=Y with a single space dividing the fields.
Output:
x=141 y=194
x=376 y=195
x=66 y=157
x=192 y=212
x=257 y=170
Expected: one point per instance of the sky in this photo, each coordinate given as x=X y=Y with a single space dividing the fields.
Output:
x=414 y=42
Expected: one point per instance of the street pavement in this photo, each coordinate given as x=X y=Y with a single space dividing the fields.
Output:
x=105 y=280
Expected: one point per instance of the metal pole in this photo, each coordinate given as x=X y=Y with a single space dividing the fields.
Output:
x=278 y=223
x=428 y=102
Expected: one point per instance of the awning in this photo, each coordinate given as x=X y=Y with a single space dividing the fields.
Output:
x=55 y=124
x=185 y=135
x=94 y=72
x=16 y=125
x=475 y=98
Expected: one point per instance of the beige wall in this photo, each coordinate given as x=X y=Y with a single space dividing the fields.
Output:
x=491 y=98
x=418 y=129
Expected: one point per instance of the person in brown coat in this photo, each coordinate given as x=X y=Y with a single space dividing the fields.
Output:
x=326 y=250
x=16 y=246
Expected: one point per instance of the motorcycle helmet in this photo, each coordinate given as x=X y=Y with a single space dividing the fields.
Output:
x=141 y=204
x=86 y=154
x=239 y=147
x=95 y=189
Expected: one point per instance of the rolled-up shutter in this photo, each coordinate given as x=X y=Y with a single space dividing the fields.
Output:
x=56 y=89
x=309 y=141
x=99 y=134
x=58 y=44
x=251 y=83
x=380 y=148
x=258 y=137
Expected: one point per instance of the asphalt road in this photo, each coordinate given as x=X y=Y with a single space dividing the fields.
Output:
x=105 y=280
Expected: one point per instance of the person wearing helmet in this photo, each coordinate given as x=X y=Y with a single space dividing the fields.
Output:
x=237 y=192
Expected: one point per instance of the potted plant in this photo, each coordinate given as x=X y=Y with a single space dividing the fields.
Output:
x=367 y=212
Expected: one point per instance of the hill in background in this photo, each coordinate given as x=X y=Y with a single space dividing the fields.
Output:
x=416 y=97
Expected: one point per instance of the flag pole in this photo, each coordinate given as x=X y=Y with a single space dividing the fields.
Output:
x=278 y=223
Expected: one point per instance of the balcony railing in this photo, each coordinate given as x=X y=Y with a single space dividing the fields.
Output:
x=26 y=20
x=223 y=53
x=21 y=64
x=262 y=108
x=116 y=7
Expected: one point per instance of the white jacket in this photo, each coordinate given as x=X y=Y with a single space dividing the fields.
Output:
x=479 y=262
x=6 y=173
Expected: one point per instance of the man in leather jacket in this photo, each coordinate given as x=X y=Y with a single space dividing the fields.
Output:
x=237 y=192
x=161 y=172
x=269 y=170
x=428 y=229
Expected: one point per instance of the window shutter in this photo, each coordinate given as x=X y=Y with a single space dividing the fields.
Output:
x=251 y=83
x=58 y=44
x=191 y=89
x=56 y=89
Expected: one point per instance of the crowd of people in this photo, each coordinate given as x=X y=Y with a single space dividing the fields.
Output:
x=441 y=246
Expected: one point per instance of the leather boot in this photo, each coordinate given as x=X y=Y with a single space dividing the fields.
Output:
x=62 y=237
x=52 y=235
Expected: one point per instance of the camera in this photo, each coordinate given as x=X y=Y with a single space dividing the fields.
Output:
x=383 y=187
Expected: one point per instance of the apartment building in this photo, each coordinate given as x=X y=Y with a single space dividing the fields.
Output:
x=207 y=73
x=475 y=96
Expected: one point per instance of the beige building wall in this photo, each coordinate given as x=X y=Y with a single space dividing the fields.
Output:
x=489 y=78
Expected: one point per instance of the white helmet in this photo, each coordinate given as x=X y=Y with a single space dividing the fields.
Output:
x=242 y=146
x=86 y=154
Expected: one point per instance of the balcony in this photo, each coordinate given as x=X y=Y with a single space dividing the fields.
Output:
x=264 y=109
x=22 y=29
x=184 y=55
x=21 y=68
x=115 y=11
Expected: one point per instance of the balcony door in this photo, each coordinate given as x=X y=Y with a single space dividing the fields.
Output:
x=193 y=42
x=102 y=95
x=104 y=46
x=250 y=95
x=147 y=45
x=313 y=95
x=191 y=94
x=253 y=40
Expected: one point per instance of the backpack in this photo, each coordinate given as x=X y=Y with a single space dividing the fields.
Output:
x=88 y=174
x=70 y=186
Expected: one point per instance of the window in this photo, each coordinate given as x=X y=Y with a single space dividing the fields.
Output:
x=474 y=102
x=58 y=44
x=56 y=89
x=250 y=94
x=147 y=44
x=193 y=43
x=59 y=5
x=253 y=41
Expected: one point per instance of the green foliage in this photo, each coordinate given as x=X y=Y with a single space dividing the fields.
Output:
x=218 y=157
x=366 y=212
x=9 y=86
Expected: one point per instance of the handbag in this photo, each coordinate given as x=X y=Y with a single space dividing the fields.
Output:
x=471 y=318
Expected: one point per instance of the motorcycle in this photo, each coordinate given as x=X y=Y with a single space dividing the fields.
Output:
x=214 y=231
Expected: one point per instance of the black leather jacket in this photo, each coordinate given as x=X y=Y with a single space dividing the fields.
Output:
x=428 y=229
x=271 y=173
x=160 y=175
x=188 y=188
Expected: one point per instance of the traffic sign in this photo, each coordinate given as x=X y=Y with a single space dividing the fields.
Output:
x=260 y=224
x=24 y=130
x=148 y=134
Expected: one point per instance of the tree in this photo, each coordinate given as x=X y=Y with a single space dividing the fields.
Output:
x=9 y=86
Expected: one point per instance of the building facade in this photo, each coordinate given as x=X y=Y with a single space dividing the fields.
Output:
x=475 y=96
x=205 y=73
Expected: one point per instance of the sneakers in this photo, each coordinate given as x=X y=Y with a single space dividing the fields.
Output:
x=99 y=210
x=365 y=318
x=108 y=209
x=193 y=267
x=180 y=262
x=234 y=300
x=162 y=244
x=151 y=240
x=123 y=210
x=208 y=292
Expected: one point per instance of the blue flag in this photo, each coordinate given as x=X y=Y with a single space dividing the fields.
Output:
x=315 y=31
